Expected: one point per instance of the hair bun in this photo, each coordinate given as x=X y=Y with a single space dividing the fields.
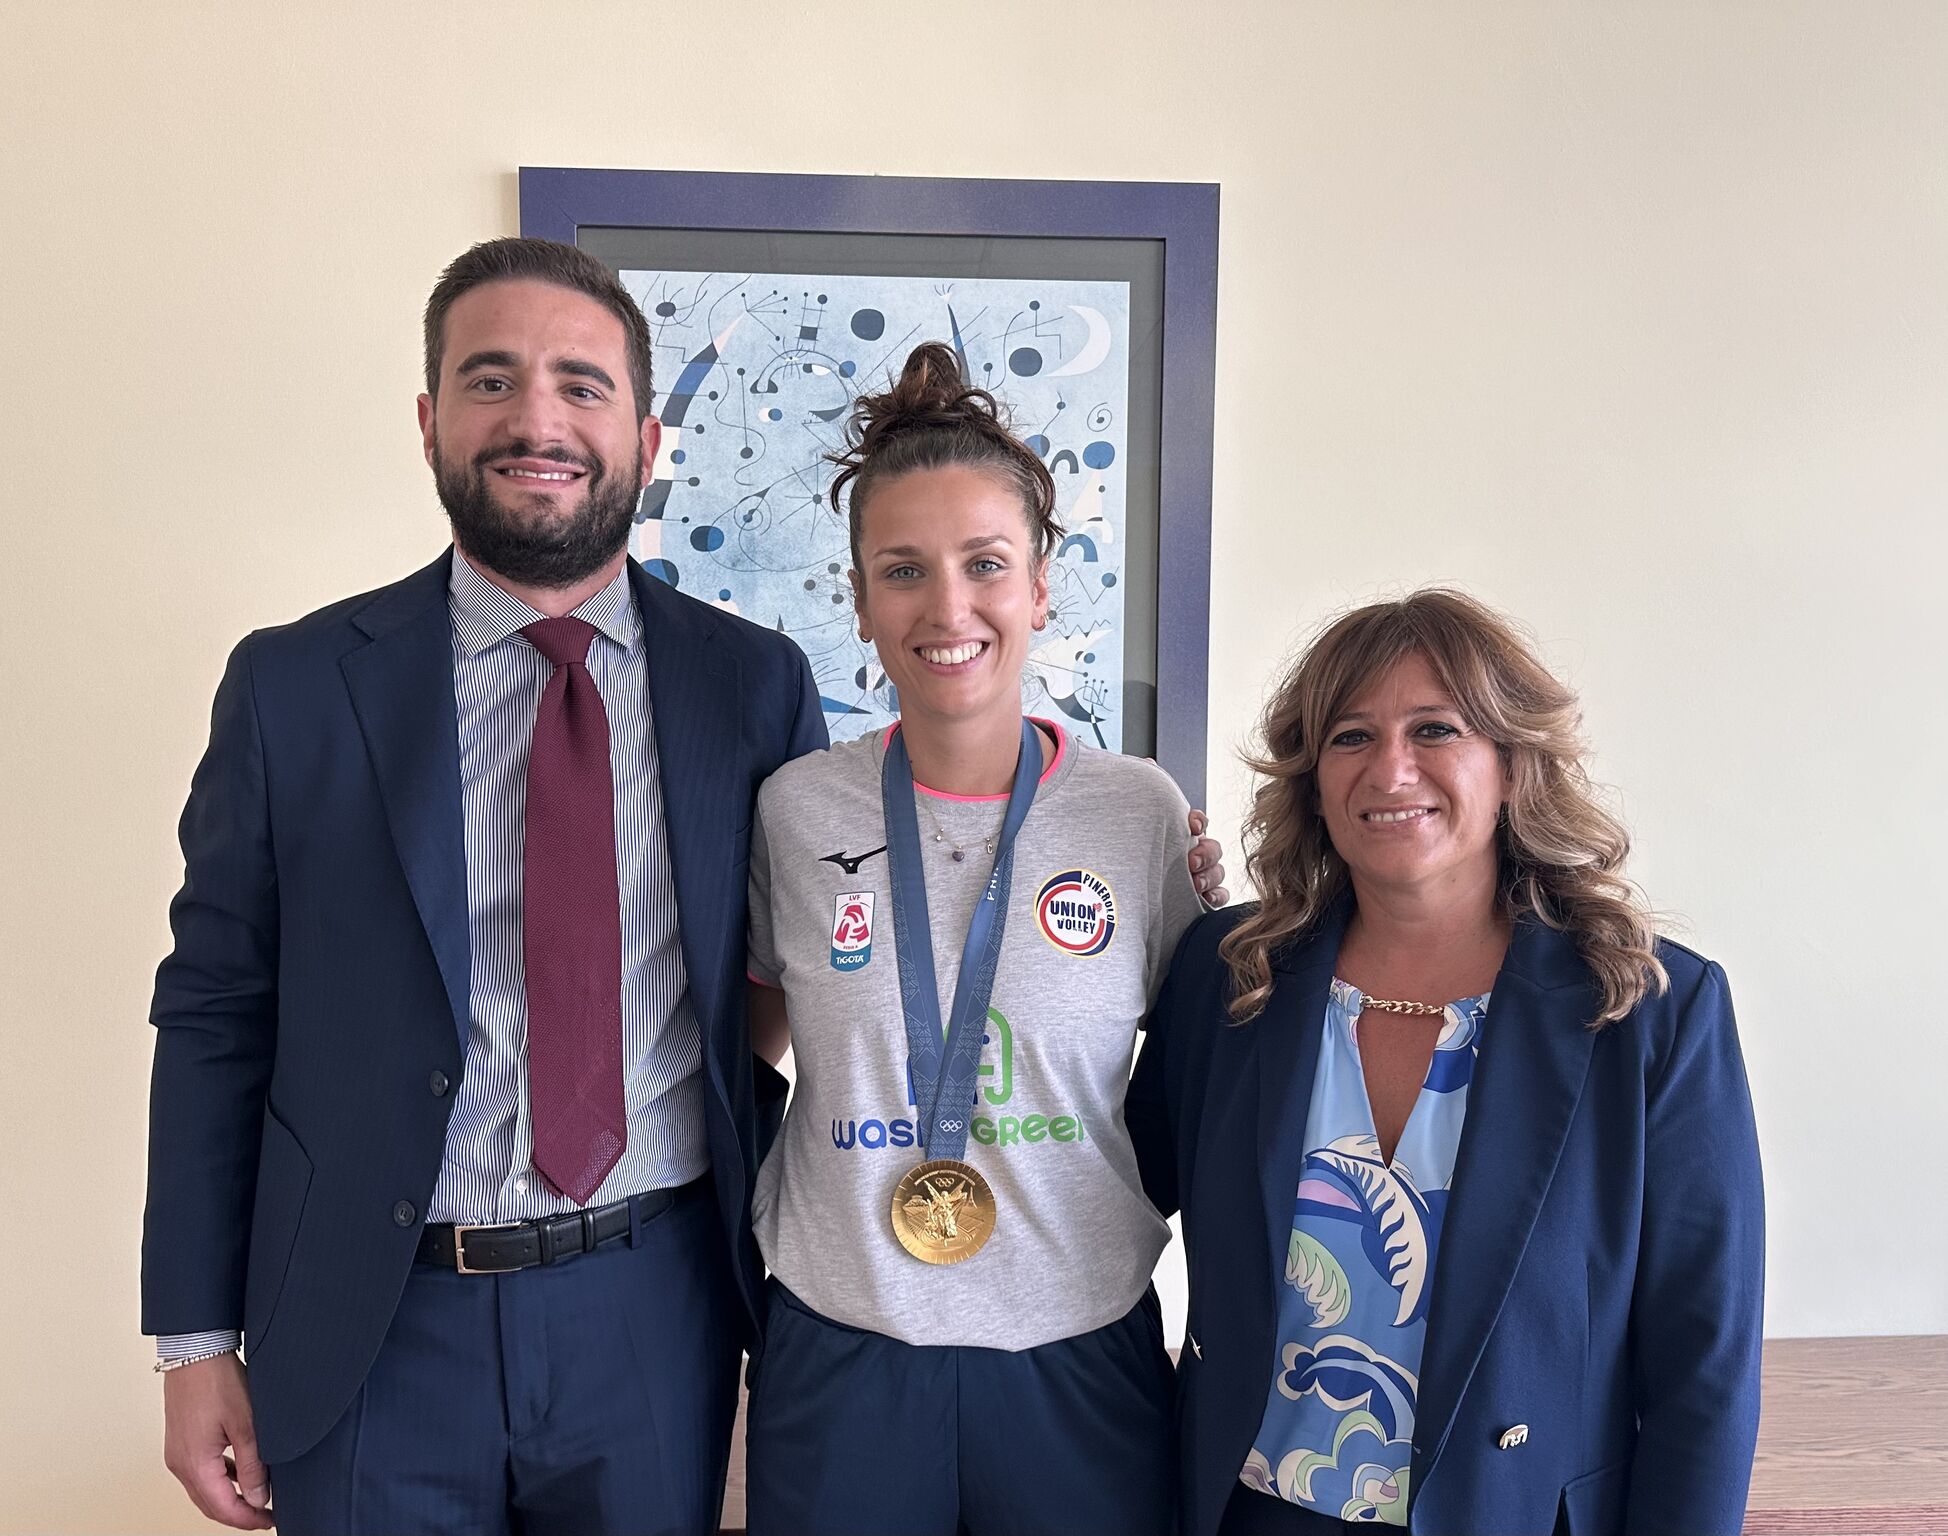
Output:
x=930 y=417
x=929 y=393
x=932 y=368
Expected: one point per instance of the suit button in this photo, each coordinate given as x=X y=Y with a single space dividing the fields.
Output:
x=438 y=1083
x=403 y=1214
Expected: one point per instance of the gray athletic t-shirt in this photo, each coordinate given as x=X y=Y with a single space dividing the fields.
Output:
x=1101 y=895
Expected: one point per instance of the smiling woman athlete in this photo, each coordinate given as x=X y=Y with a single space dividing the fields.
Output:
x=965 y=918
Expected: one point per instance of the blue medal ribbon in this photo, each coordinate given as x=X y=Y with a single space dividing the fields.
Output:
x=945 y=1066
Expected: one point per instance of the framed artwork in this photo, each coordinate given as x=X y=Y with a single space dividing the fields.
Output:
x=1088 y=309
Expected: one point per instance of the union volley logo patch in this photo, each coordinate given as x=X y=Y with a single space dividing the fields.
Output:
x=1076 y=911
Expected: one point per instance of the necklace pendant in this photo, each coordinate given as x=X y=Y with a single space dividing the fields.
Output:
x=958 y=856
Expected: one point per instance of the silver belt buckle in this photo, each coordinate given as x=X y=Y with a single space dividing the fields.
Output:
x=460 y=1232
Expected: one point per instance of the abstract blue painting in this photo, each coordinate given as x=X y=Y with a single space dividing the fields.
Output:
x=757 y=374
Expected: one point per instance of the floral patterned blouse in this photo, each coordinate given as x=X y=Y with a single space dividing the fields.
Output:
x=1338 y=1429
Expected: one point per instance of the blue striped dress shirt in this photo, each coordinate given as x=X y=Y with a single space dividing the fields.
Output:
x=487 y=1172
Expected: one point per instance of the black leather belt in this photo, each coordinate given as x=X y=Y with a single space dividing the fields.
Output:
x=500 y=1248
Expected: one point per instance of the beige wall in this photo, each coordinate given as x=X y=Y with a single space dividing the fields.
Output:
x=1630 y=318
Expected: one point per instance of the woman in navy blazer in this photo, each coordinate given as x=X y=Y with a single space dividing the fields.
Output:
x=1465 y=1154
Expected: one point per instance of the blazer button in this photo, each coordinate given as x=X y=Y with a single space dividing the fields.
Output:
x=403 y=1214
x=438 y=1083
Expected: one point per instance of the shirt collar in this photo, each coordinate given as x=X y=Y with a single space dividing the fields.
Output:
x=484 y=615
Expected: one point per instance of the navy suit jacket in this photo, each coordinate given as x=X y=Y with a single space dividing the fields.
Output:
x=317 y=991
x=1600 y=1270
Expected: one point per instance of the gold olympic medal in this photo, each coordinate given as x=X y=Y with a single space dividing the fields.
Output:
x=943 y=1211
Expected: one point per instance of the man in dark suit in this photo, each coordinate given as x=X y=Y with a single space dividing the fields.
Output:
x=454 y=1118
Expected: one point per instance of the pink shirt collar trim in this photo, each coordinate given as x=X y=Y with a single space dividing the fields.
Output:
x=1061 y=751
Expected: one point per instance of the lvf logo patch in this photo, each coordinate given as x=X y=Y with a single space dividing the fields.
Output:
x=1076 y=911
x=852 y=930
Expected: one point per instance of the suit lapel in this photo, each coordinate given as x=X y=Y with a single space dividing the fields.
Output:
x=1288 y=1060
x=696 y=707
x=401 y=685
x=1535 y=1057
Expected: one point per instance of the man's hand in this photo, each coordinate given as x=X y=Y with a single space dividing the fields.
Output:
x=206 y=1408
x=1206 y=863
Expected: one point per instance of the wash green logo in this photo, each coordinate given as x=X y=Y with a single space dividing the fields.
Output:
x=994 y=1089
x=998 y=1087
x=998 y=1076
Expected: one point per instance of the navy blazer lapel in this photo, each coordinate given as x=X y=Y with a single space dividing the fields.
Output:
x=402 y=692
x=1289 y=1031
x=1528 y=1080
x=696 y=706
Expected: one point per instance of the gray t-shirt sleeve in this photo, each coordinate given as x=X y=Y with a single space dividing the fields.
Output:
x=761 y=955
x=1174 y=897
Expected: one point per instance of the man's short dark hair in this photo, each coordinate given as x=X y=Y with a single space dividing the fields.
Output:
x=516 y=259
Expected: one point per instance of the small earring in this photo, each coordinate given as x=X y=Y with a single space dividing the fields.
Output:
x=1040 y=623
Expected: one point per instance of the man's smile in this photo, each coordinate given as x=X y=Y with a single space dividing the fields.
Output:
x=538 y=472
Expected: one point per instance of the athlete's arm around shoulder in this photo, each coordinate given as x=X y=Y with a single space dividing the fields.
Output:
x=1166 y=1093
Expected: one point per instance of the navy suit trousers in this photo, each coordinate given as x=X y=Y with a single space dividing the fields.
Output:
x=590 y=1396
x=853 y=1433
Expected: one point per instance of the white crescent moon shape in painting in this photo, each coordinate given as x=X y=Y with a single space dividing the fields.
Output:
x=1095 y=351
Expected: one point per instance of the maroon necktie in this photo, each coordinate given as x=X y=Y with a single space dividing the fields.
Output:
x=572 y=938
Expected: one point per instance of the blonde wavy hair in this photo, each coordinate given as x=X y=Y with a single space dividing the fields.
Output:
x=1562 y=853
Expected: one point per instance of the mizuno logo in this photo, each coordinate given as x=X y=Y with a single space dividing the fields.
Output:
x=849 y=865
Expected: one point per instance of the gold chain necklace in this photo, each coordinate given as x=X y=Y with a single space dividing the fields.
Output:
x=1396 y=1005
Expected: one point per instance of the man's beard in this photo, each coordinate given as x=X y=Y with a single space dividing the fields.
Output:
x=538 y=550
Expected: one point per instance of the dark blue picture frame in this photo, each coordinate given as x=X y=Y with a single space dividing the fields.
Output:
x=558 y=202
